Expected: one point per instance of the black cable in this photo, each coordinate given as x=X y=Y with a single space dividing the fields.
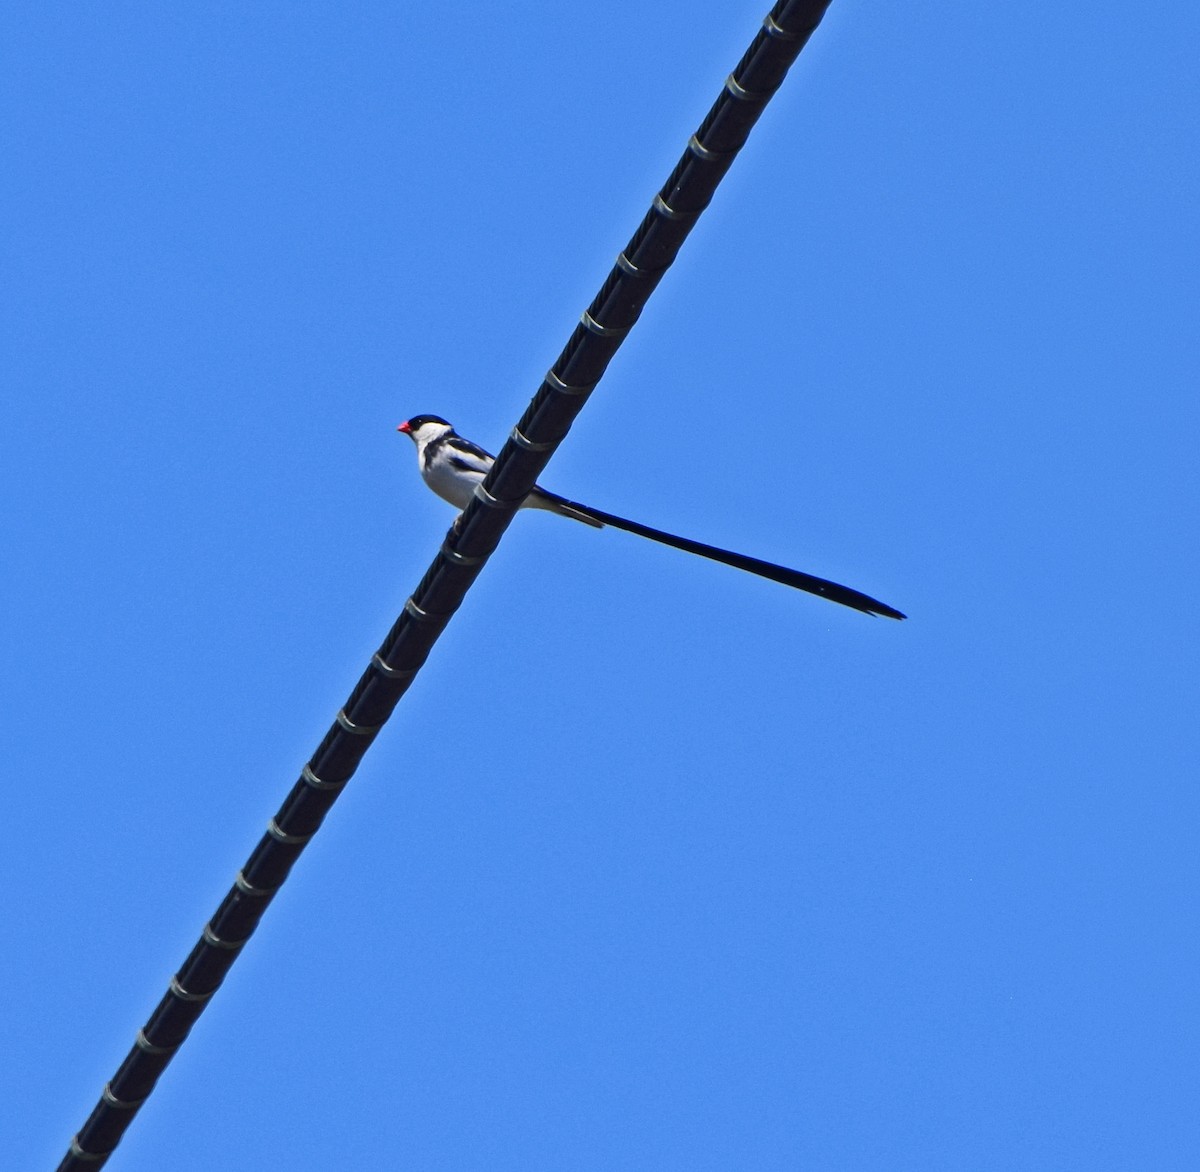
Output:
x=466 y=549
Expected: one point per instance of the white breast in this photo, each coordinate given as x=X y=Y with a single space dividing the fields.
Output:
x=452 y=484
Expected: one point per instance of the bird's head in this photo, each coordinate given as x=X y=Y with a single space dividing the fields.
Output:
x=423 y=428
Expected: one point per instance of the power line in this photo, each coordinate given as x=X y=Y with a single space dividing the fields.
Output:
x=468 y=545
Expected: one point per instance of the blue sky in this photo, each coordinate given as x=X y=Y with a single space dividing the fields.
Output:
x=657 y=865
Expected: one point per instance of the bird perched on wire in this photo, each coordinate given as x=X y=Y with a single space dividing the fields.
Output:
x=453 y=466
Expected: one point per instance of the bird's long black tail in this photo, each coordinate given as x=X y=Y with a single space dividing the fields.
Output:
x=795 y=578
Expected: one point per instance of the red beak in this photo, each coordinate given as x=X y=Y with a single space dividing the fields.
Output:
x=404 y=427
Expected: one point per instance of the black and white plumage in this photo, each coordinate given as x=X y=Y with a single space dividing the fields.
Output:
x=453 y=466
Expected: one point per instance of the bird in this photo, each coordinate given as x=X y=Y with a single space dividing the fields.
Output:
x=453 y=466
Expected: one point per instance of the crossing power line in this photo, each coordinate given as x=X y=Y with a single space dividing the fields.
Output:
x=463 y=554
